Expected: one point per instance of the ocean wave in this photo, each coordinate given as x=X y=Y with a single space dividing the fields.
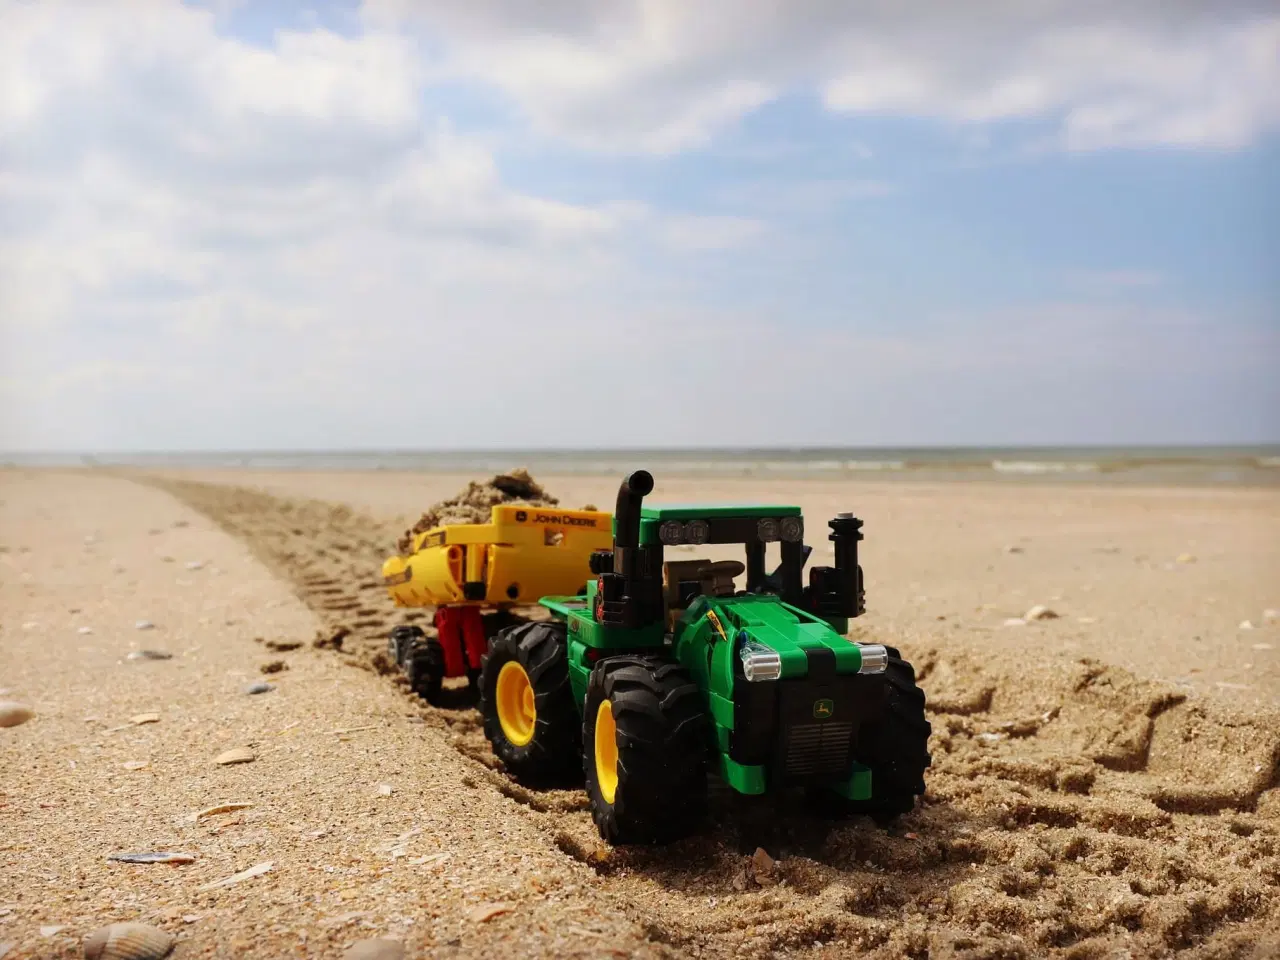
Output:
x=875 y=465
x=1269 y=461
x=1043 y=466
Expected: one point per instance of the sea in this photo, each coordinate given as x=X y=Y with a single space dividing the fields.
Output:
x=1198 y=466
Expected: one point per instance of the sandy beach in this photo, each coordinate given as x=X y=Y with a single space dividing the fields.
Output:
x=1104 y=781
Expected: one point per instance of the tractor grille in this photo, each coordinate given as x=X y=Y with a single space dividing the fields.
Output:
x=818 y=748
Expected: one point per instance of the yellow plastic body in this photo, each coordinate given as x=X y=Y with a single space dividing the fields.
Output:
x=522 y=553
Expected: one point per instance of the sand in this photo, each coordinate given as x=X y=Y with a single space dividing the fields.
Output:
x=1104 y=782
x=475 y=502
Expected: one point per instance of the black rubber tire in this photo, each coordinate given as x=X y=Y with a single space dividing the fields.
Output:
x=424 y=666
x=552 y=755
x=399 y=641
x=664 y=747
x=895 y=745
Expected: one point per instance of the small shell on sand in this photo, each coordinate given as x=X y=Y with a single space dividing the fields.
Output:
x=222 y=808
x=254 y=871
x=487 y=911
x=236 y=755
x=159 y=856
x=374 y=950
x=135 y=764
x=149 y=655
x=1039 y=612
x=84 y=631
x=258 y=688
x=13 y=713
x=145 y=625
x=142 y=718
x=128 y=941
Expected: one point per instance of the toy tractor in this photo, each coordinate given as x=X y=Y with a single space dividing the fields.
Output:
x=474 y=573
x=664 y=674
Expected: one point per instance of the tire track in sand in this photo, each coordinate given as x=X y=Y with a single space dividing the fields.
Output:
x=1072 y=809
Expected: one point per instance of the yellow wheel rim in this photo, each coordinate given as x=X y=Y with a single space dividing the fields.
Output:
x=516 y=711
x=606 y=751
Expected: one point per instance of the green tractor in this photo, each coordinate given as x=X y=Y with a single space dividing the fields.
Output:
x=664 y=674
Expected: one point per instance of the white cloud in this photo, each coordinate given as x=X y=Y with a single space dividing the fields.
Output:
x=209 y=243
x=663 y=75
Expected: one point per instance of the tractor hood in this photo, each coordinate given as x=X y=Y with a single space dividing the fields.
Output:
x=780 y=640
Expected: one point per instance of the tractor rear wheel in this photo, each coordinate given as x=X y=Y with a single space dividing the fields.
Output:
x=895 y=745
x=527 y=704
x=424 y=665
x=646 y=740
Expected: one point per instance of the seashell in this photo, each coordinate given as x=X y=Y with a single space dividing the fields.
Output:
x=380 y=949
x=258 y=688
x=236 y=755
x=162 y=856
x=13 y=713
x=141 y=718
x=149 y=655
x=222 y=808
x=85 y=631
x=255 y=871
x=195 y=564
x=128 y=941
x=1040 y=612
x=487 y=911
x=144 y=625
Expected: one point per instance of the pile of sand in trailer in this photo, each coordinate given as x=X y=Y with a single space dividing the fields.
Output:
x=473 y=504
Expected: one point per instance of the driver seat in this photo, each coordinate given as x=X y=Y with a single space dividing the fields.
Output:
x=683 y=580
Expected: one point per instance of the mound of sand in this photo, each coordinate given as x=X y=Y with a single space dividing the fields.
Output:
x=473 y=505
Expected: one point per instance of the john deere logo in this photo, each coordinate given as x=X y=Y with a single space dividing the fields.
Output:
x=521 y=516
x=823 y=709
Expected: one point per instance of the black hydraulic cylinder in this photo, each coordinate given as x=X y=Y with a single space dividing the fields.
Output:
x=846 y=531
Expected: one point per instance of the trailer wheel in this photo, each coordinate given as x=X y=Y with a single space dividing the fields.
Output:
x=646 y=740
x=399 y=641
x=527 y=704
x=895 y=745
x=424 y=665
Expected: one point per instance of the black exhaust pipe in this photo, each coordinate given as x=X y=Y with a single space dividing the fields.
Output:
x=626 y=520
x=629 y=595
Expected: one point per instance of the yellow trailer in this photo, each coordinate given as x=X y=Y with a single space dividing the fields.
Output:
x=522 y=554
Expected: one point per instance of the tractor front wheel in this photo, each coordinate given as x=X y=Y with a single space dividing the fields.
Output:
x=646 y=739
x=895 y=745
x=527 y=704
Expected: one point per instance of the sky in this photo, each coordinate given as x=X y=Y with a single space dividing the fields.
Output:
x=587 y=223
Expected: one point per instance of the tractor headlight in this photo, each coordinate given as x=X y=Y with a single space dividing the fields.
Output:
x=671 y=532
x=759 y=662
x=792 y=528
x=767 y=529
x=875 y=658
x=698 y=531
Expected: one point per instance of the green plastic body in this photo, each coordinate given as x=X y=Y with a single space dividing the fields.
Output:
x=706 y=639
